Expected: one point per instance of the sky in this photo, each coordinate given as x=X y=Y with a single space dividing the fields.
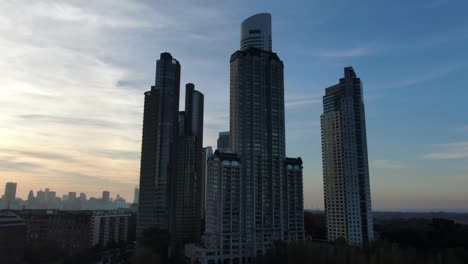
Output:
x=73 y=74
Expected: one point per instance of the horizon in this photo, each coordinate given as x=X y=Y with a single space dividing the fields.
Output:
x=74 y=123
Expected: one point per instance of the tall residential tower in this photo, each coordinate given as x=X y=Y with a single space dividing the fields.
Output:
x=160 y=130
x=254 y=192
x=345 y=164
x=187 y=187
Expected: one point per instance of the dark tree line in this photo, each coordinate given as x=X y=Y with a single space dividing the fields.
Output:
x=376 y=253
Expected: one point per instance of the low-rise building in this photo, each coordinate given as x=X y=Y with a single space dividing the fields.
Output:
x=12 y=238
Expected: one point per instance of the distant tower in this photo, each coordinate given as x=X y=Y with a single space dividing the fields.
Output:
x=136 y=194
x=105 y=196
x=72 y=196
x=256 y=32
x=30 y=196
x=345 y=164
x=223 y=141
x=10 y=194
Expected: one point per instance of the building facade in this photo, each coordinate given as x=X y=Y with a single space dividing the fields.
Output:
x=223 y=141
x=186 y=223
x=258 y=136
x=223 y=237
x=160 y=125
x=207 y=152
x=109 y=228
x=294 y=226
x=262 y=202
x=71 y=232
x=12 y=238
x=345 y=163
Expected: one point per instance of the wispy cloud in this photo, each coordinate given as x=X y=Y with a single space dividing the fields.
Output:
x=73 y=121
x=436 y=3
x=418 y=79
x=301 y=101
x=345 y=53
x=118 y=154
x=49 y=155
x=11 y=165
x=449 y=151
x=387 y=164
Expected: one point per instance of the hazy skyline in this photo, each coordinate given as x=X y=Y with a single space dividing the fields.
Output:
x=73 y=77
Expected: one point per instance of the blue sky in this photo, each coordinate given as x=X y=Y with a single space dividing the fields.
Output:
x=73 y=76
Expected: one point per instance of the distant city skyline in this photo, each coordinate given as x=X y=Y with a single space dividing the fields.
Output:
x=74 y=123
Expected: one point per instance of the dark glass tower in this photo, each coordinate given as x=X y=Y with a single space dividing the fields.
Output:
x=158 y=153
x=345 y=164
x=186 y=223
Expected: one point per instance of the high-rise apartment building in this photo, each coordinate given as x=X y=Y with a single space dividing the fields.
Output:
x=223 y=233
x=345 y=164
x=223 y=142
x=160 y=130
x=187 y=187
x=294 y=206
x=171 y=158
x=261 y=202
x=257 y=134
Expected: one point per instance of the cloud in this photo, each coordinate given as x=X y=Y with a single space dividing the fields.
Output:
x=301 y=101
x=417 y=79
x=461 y=128
x=449 y=151
x=72 y=121
x=387 y=164
x=436 y=3
x=118 y=154
x=10 y=165
x=346 y=53
x=38 y=155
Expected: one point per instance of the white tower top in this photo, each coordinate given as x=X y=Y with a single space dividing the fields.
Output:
x=256 y=32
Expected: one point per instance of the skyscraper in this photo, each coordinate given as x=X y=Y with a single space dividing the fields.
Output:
x=187 y=186
x=223 y=141
x=257 y=134
x=160 y=130
x=10 y=194
x=345 y=164
x=254 y=193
